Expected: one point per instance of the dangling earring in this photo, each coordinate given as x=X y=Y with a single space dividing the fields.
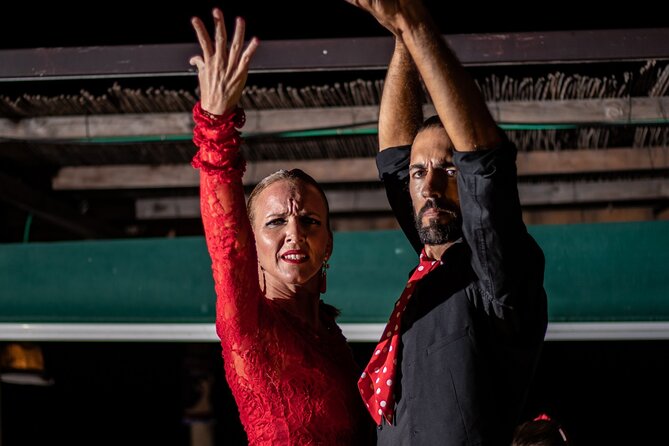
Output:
x=264 y=280
x=324 y=275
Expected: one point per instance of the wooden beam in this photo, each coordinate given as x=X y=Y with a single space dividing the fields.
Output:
x=97 y=126
x=364 y=222
x=531 y=216
x=374 y=200
x=16 y=193
x=189 y=207
x=606 y=214
x=183 y=175
x=91 y=127
x=618 y=111
x=592 y=161
x=126 y=177
x=581 y=192
x=663 y=213
x=335 y=54
x=626 y=111
x=355 y=170
x=259 y=122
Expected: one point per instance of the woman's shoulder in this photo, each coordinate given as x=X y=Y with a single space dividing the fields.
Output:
x=329 y=311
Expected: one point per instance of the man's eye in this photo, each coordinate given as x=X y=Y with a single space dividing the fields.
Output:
x=451 y=171
x=311 y=221
x=275 y=222
x=418 y=174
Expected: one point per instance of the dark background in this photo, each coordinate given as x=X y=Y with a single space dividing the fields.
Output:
x=604 y=393
x=27 y=24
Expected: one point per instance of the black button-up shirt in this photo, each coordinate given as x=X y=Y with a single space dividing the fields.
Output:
x=472 y=332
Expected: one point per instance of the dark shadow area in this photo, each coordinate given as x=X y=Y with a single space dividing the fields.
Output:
x=604 y=393
x=122 y=22
x=138 y=393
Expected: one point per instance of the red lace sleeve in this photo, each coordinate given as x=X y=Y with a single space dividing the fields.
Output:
x=292 y=385
x=227 y=228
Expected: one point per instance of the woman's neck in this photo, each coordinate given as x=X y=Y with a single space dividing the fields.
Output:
x=302 y=301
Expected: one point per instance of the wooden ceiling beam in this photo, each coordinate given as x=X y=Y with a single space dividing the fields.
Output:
x=585 y=192
x=183 y=175
x=595 y=214
x=623 y=111
x=335 y=54
x=588 y=161
x=611 y=111
x=374 y=200
x=356 y=170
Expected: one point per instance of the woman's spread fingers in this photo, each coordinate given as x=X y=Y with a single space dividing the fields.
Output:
x=221 y=35
x=203 y=38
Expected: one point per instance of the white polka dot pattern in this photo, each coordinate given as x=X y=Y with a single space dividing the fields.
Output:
x=378 y=393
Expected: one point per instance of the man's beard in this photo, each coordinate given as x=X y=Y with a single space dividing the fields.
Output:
x=436 y=233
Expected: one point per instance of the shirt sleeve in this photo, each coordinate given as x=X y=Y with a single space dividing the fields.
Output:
x=507 y=261
x=393 y=167
x=227 y=231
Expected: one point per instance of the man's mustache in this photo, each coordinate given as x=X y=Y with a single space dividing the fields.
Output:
x=441 y=206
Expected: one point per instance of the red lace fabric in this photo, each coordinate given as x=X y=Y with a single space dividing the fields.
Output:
x=292 y=386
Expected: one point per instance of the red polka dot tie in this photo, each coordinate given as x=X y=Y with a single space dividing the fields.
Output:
x=376 y=382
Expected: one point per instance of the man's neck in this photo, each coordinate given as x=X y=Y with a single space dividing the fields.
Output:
x=435 y=252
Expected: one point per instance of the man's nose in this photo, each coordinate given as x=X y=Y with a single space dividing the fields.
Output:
x=434 y=185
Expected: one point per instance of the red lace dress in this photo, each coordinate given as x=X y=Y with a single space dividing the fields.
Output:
x=292 y=386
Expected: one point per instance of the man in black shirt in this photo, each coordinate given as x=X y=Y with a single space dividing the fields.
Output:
x=471 y=332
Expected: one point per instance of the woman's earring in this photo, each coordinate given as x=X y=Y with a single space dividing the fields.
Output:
x=264 y=281
x=324 y=276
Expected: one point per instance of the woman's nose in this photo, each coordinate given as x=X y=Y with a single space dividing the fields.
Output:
x=294 y=231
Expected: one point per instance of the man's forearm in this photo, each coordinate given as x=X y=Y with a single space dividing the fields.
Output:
x=400 y=113
x=456 y=97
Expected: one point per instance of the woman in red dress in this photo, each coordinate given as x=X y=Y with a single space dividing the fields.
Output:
x=290 y=369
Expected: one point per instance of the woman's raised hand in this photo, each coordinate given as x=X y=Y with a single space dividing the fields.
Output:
x=221 y=72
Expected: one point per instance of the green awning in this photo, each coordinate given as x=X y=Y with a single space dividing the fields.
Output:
x=612 y=272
